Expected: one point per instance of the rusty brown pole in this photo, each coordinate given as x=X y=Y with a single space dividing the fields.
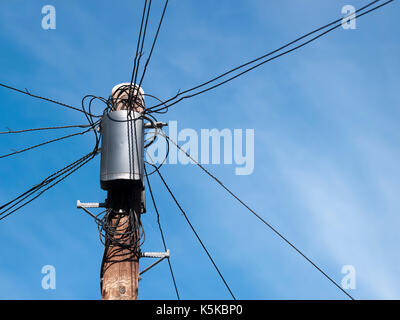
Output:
x=120 y=269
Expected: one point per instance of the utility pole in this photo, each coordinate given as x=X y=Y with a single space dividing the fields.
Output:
x=122 y=176
x=120 y=268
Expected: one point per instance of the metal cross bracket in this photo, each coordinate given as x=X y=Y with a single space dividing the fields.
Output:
x=84 y=206
x=160 y=255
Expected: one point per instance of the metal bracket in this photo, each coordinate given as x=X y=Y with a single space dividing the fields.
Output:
x=160 y=255
x=148 y=125
x=84 y=206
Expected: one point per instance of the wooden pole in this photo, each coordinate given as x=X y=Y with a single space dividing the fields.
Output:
x=120 y=268
x=121 y=265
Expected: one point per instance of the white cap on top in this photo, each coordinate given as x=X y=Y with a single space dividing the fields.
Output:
x=127 y=84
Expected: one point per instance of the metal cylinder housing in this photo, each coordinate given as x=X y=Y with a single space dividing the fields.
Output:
x=122 y=153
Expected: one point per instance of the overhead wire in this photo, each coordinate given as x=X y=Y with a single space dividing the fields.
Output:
x=44 y=129
x=163 y=106
x=154 y=43
x=55 y=178
x=44 y=143
x=260 y=218
x=195 y=233
x=26 y=92
x=162 y=234
x=157 y=134
x=174 y=100
x=138 y=42
x=142 y=44
x=35 y=192
x=137 y=55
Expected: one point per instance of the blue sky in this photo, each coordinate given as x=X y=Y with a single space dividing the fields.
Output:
x=326 y=144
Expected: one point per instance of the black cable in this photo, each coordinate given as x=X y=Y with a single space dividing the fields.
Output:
x=142 y=44
x=44 y=143
x=119 y=245
x=51 y=186
x=162 y=162
x=137 y=53
x=46 y=181
x=162 y=234
x=260 y=218
x=159 y=100
x=154 y=43
x=141 y=52
x=45 y=128
x=109 y=236
x=90 y=117
x=196 y=234
x=57 y=176
x=351 y=17
x=39 y=97
x=60 y=175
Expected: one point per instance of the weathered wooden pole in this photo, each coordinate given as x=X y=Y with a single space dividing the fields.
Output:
x=120 y=268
